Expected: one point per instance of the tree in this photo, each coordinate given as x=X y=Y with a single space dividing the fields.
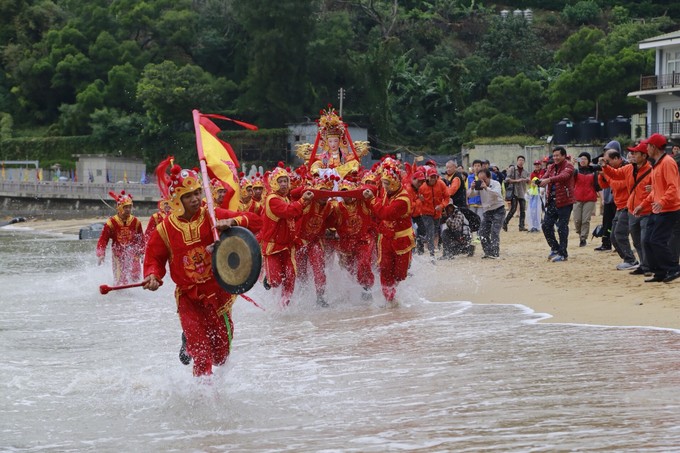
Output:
x=169 y=93
x=517 y=97
x=582 y=12
x=579 y=45
x=275 y=88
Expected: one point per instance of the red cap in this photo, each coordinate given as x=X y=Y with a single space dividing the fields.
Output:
x=657 y=140
x=418 y=176
x=639 y=148
x=537 y=162
x=431 y=172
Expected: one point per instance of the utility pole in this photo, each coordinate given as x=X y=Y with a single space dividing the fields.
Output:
x=341 y=96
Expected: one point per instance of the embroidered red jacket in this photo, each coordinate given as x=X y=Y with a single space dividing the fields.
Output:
x=395 y=228
x=278 y=223
x=183 y=243
x=126 y=238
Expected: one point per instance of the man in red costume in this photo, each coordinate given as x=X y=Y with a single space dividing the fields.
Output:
x=184 y=239
x=396 y=239
x=311 y=228
x=156 y=218
x=248 y=203
x=277 y=237
x=127 y=241
x=356 y=230
x=258 y=188
x=218 y=191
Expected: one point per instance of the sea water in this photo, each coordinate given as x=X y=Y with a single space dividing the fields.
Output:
x=83 y=371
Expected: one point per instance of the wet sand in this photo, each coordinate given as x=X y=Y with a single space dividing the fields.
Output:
x=586 y=289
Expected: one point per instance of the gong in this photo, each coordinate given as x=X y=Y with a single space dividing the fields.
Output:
x=237 y=260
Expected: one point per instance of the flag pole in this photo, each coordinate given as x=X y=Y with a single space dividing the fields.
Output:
x=204 y=174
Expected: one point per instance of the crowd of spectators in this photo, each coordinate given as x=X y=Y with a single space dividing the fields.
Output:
x=637 y=190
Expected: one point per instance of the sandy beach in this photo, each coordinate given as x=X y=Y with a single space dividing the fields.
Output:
x=586 y=289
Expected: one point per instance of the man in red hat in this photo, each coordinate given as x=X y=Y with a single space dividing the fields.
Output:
x=356 y=232
x=412 y=185
x=277 y=237
x=184 y=240
x=311 y=228
x=636 y=178
x=434 y=197
x=127 y=241
x=156 y=218
x=396 y=239
x=664 y=201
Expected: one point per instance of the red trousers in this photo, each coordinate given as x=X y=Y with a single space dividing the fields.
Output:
x=127 y=267
x=280 y=270
x=312 y=255
x=357 y=258
x=205 y=315
x=393 y=269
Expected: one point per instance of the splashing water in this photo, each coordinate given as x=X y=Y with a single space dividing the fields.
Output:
x=88 y=372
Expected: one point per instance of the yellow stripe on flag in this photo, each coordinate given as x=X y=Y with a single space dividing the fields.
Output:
x=221 y=164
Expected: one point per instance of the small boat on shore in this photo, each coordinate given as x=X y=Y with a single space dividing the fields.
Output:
x=92 y=231
x=13 y=221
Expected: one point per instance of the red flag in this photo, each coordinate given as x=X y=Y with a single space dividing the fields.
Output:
x=220 y=159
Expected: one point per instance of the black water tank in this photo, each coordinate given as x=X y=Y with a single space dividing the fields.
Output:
x=618 y=126
x=589 y=130
x=563 y=132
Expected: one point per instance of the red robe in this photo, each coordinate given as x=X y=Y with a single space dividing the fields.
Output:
x=277 y=239
x=311 y=229
x=355 y=228
x=251 y=206
x=127 y=248
x=204 y=307
x=396 y=239
x=155 y=219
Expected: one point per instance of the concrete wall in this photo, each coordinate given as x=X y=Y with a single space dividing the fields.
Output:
x=504 y=155
x=71 y=199
x=65 y=208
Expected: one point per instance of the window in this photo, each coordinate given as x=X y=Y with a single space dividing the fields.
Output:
x=672 y=63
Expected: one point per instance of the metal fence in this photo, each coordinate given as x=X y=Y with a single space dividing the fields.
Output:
x=667 y=129
x=81 y=190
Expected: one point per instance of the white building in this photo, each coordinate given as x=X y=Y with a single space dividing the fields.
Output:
x=103 y=168
x=662 y=90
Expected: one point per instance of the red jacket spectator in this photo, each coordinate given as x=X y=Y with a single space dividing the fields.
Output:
x=561 y=180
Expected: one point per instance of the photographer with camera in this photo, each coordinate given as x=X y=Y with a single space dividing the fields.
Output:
x=493 y=205
x=559 y=192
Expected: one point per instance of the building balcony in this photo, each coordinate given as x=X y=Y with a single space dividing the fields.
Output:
x=659 y=82
x=669 y=129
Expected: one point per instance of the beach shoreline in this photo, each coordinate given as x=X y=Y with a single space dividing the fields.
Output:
x=586 y=289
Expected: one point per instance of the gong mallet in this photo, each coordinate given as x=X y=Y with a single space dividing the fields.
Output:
x=105 y=289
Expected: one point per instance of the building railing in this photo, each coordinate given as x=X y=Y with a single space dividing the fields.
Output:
x=671 y=128
x=86 y=190
x=657 y=82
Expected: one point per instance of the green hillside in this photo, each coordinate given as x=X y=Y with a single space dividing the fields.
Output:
x=423 y=75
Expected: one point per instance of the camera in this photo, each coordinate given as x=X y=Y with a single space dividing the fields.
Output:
x=537 y=181
x=478 y=185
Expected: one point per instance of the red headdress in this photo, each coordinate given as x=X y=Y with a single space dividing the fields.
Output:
x=244 y=183
x=179 y=182
x=122 y=199
x=275 y=174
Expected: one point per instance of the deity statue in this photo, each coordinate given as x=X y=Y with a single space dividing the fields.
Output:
x=333 y=151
